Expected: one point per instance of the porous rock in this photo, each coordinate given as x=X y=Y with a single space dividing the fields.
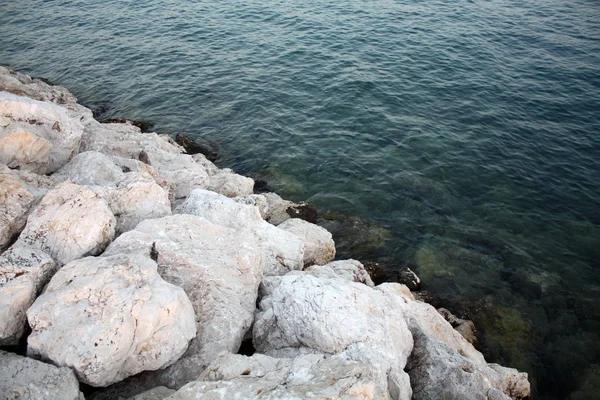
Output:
x=257 y=200
x=70 y=222
x=24 y=378
x=109 y=318
x=319 y=245
x=351 y=270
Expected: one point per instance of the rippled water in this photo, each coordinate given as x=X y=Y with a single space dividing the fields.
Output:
x=470 y=130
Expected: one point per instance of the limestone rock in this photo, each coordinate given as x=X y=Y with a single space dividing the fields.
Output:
x=280 y=210
x=465 y=327
x=283 y=251
x=37 y=136
x=219 y=268
x=351 y=270
x=209 y=166
x=70 y=222
x=19 y=191
x=257 y=200
x=28 y=379
x=312 y=376
x=109 y=318
x=333 y=316
x=319 y=246
x=23 y=273
x=230 y=184
x=157 y=393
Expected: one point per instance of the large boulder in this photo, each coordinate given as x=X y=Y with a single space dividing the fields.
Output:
x=20 y=190
x=36 y=136
x=280 y=210
x=311 y=376
x=319 y=245
x=23 y=273
x=230 y=184
x=350 y=270
x=24 y=378
x=70 y=222
x=283 y=251
x=300 y=313
x=219 y=268
x=109 y=318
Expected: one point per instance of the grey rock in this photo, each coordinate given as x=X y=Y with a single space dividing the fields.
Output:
x=319 y=247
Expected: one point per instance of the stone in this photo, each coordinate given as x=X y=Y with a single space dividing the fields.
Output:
x=28 y=379
x=109 y=318
x=407 y=277
x=157 y=393
x=257 y=200
x=351 y=270
x=230 y=184
x=70 y=222
x=299 y=312
x=37 y=136
x=143 y=126
x=19 y=192
x=219 y=268
x=465 y=327
x=198 y=145
x=283 y=251
x=233 y=376
x=280 y=210
x=376 y=273
x=355 y=236
x=23 y=274
x=319 y=245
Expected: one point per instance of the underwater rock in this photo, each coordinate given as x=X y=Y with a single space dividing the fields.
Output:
x=193 y=145
x=355 y=236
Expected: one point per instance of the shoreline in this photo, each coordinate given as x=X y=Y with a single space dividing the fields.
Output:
x=105 y=203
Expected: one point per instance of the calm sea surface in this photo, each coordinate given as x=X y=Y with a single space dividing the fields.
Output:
x=469 y=131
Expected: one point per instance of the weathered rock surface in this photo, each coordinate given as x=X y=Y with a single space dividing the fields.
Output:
x=70 y=222
x=283 y=251
x=463 y=326
x=312 y=376
x=319 y=247
x=28 y=379
x=280 y=210
x=407 y=277
x=157 y=393
x=19 y=191
x=334 y=316
x=23 y=273
x=257 y=200
x=351 y=270
x=36 y=136
x=219 y=268
x=230 y=184
x=109 y=318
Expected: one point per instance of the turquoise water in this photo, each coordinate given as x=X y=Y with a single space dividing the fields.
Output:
x=469 y=130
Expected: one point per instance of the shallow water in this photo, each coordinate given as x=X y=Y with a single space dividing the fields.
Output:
x=469 y=130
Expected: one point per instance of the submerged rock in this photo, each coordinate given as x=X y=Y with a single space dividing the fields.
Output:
x=28 y=379
x=109 y=318
x=198 y=145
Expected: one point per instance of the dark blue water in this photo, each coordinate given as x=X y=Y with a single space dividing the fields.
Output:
x=469 y=130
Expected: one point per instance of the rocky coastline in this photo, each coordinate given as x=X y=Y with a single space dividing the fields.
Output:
x=130 y=269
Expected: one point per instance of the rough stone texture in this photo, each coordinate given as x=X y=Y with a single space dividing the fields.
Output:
x=24 y=378
x=277 y=210
x=209 y=167
x=463 y=326
x=334 y=316
x=407 y=277
x=157 y=393
x=230 y=184
x=36 y=136
x=312 y=376
x=109 y=318
x=23 y=273
x=319 y=246
x=283 y=251
x=351 y=270
x=257 y=200
x=70 y=222
x=220 y=270
x=19 y=191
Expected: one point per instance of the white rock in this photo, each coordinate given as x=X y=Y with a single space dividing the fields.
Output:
x=179 y=170
x=109 y=318
x=220 y=270
x=23 y=273
x=49 y=143
x=209 y=166
x=19 y=191
x=283 y=251
x=335 y=316
x=257 y=200
x=70 y=222
x=318 y=242
x=277 y=208
x=351 y=270
x=312 y=376
x=28 y=379
x=230 y=184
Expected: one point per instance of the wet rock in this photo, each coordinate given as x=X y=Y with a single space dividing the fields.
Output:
x=28 y=379
x=407 y=277
x=142 y=125
x=465 y=327
x=311 y=376
x=378 y=274
x=36 y=136
x=354 y=236
x=219 y=268
x=23 y=274
x=70 y=222
x=303 y=211
x=230 y=184
x=319 y=246
x=193 y=145
x=21 y=190
x=109 y=318
x=351 y=270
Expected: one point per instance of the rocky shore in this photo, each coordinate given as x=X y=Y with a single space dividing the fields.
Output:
x=130 y=269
